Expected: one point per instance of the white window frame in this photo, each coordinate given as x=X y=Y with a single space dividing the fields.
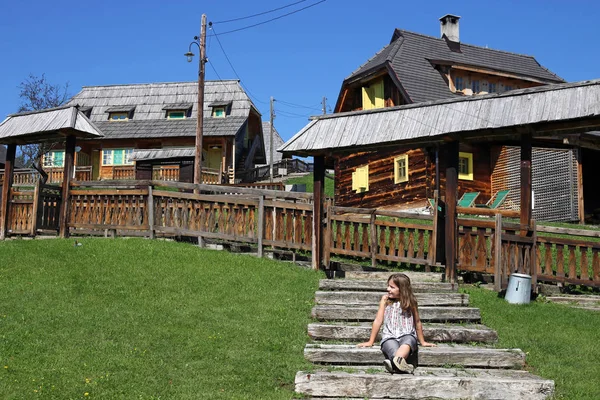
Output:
x=107 y=157
x=50 y=159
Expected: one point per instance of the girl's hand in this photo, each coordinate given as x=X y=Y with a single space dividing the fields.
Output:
x=427 y=344
x=365 y=344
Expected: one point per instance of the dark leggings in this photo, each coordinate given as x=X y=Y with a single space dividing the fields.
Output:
x=390 y=346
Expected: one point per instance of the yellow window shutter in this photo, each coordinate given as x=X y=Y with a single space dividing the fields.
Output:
x=368 y=100
x=354 y=178
x=379 y=101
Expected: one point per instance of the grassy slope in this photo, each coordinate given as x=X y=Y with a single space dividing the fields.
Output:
x=133 y=318
x=308 y=180
x=561 y=343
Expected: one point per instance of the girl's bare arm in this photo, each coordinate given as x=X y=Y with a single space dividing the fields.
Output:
x=376 y=323
x=419 y=329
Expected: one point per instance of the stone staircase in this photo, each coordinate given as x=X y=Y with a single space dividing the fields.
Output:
x=465 y=365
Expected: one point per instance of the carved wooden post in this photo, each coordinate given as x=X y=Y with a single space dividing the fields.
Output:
x=150 y=211
x=451 y=154
x=327 y=237
x=261 y=224
x=9 y=166
x=319 y=191
x=498 y=253
x=525 y=180
x=36 y=208
x=67 y=175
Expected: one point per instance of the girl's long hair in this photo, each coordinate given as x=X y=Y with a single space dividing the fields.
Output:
x=407 y=298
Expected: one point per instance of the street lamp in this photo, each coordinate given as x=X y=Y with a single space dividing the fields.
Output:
x=201 y=43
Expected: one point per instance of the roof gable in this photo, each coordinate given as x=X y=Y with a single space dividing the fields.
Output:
x=409 y=55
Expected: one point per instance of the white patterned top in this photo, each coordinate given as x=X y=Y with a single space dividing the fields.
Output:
x=397 y=323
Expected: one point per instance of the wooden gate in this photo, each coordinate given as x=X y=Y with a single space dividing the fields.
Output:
x=47 y=207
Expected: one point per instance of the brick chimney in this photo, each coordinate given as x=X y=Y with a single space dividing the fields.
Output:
x=449 y=27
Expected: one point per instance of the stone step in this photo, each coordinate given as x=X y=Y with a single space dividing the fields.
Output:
x=324 y=297
x=586 y=301
x=433 y=332
x=384 y=275
x=381 y=285
x=442 y=355
x=446 y=384
x=365 y=313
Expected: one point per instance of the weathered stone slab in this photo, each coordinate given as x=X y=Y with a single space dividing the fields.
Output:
x=463 y=356
x=377 y=386
x=364 y=313
x=432 y=332
x=384 y=275
x=586 y=301
x=381 y=285
x=370 y=298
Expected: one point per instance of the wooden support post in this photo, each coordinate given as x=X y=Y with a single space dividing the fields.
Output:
x=327 y=236
x=319 y=197
x=9 y=167
x=36 y=208
x=261 y=224
x=67 y=176
x=580 y=205
x=373 y=243
x=451 y=227
x=525 y=181
x=434 y=233
x=150 y=211
x=533 y=257
x=498 y=254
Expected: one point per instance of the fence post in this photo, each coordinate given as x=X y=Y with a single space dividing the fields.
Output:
x=498 y=254
x=6 y=186
x=433 y=239
x=150 y=211
x=327 y=234
x=533 y=257
x=373 y=239
x=67 y=174
x=36 y=208
x=261 y=224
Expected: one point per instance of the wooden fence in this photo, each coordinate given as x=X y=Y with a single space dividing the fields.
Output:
x=284 y=220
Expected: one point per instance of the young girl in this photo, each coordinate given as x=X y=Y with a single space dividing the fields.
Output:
x=401 y=325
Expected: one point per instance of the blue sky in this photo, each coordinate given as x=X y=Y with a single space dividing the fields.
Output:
x=297 y=59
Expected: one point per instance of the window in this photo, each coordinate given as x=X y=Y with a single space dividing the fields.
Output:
x=465 y=166
x=176 y=114
x=459 y=83
x=492 y=88
x=54 y=159
x=475 y=86
x=508 y=87
x=118 y=116
x=117 y=157
x=218 y=112
x=401 y=169
x=360 y=179
x=372 y=96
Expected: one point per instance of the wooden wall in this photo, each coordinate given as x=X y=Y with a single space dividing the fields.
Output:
x=384 y=192
x=382 y=189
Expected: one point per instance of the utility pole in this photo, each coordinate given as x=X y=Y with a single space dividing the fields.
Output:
x=271 y=142
x=200 y=105
x=324 y=105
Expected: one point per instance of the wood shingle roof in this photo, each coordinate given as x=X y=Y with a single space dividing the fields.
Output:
x=410 y=56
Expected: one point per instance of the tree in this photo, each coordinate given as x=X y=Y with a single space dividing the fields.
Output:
x=37 y=93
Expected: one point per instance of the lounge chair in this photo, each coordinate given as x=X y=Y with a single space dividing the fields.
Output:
x=496 y=200
x=467 y=199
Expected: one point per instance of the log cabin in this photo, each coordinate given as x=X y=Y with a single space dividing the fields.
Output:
x=415 y=68
x=159 y=120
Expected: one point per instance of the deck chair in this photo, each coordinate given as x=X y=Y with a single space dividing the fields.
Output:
x=496 y=200
x=432 y=205
x=467 y=199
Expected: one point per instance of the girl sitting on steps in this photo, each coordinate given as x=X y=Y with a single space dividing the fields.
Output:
x=401 y=326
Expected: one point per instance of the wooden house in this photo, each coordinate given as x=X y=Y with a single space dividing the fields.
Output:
x=414 y=68
x=159 y=120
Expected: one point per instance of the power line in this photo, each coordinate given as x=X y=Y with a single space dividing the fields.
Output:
x=262 y=13
x=233 y=69
x=272 y=19
x=298 y=105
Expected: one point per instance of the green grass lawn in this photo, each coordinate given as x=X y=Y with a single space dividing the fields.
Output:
x=561 y=343
x=308 y=180
x=141 y=319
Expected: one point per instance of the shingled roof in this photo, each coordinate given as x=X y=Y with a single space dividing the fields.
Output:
x=409 y=55
x=150 y=101
x=277 y=142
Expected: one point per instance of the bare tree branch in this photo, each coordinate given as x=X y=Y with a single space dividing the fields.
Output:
x=37 y=94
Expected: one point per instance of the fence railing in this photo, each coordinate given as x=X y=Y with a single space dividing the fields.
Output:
x=284 y=220
x=379 y=235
